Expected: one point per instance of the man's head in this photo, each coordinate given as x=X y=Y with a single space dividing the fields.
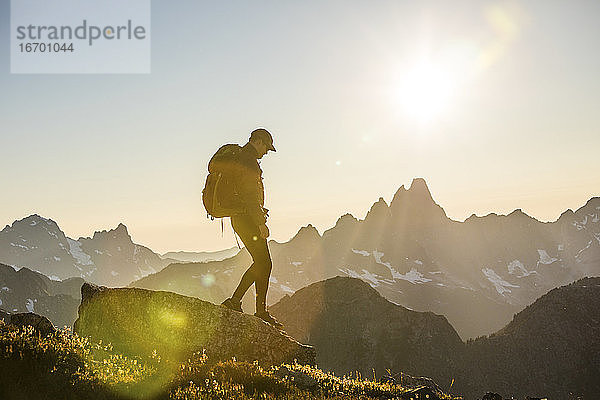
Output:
x=262 y=141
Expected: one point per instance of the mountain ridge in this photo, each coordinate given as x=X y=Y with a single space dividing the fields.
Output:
x=551 y=348
x=487 y=267
x=109 y=256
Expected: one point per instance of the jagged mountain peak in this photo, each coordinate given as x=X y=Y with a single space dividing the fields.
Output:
x=400 y=193
x=121 y=228
x=475 y=217
x=416 y=203
x=566 y=216
x=34 y=220
x=310 y=228
x=346 y=219
x=418 y=191
x=306 y=234
x=593 y=205
x=519 y=213
x=379 y=204
x=38 y=218
x=472 y=217
x=119 y=233
x=419 y=185
x=378 y=210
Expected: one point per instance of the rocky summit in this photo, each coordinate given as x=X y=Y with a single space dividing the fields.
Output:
x=354 y=328
x=139 y=321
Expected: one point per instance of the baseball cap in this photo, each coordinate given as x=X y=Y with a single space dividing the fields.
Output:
x=265 y=136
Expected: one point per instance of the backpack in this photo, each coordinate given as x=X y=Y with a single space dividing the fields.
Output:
x=219 y=195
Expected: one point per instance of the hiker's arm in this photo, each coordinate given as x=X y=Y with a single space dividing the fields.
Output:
x=264 y=231
x=249 y=191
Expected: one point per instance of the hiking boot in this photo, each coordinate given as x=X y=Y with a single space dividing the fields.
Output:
x=233 y=304
x=269 y=319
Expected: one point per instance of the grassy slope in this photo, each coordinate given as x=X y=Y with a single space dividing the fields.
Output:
x=64 y=365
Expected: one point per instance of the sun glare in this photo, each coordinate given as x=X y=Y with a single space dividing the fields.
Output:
x=426 y=92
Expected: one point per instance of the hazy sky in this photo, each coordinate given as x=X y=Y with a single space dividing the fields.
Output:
x=495 y=104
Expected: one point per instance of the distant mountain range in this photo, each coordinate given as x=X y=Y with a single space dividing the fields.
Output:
x=28 y=291
x=478 y=273
x=202 y=256
x=109 y=257
x=551 y=348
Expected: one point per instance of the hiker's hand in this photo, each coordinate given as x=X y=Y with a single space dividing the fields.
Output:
x=264 y=231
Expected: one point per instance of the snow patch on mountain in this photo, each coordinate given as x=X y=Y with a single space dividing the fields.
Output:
x=287 y=289
x=545 y=258
x=29 y=305
x=372 y=279
x=517 y=268
x=272 y=279
x=296 y=263
x=378 y=255
x=500 y=284
x=362 y=252
x=413 y=276
x=79 y=255
x=585 y=248
x=51 y=233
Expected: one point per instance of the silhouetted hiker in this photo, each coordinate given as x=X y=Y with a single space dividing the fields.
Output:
x=236 y=190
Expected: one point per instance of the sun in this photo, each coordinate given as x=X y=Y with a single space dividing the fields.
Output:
x=426 y=92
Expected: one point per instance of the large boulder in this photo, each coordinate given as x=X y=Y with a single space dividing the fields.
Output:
x=139 y=321
x=39 y=322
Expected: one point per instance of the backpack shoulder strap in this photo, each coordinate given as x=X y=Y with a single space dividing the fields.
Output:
x=226 y=153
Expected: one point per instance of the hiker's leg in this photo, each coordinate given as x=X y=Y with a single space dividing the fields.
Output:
x=263 y=268
x=247 y=280
x=247 y=232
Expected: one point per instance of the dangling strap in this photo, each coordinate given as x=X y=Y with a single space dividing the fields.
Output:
x=235 y=236
x=222 y=229
x=236 y=241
